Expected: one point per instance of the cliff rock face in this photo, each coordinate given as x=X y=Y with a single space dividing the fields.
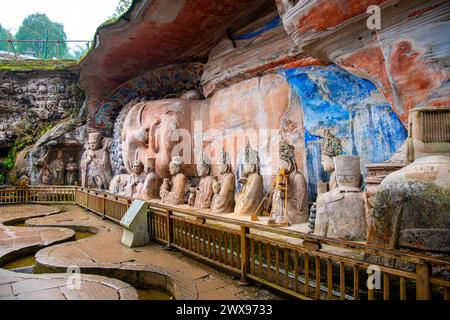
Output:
x=407 y=58
x=32 y=103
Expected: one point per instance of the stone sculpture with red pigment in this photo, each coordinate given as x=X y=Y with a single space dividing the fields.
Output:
x=204 y=191
x=95 y=163
x=224 y=186
x=172 y=191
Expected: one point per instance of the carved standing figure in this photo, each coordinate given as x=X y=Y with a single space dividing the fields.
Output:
x=172 y=192
x=95 y=164
x=152 y=183
x=341 y=213
x=223 y=200
x=204 y=192
x=57 y=168
x=71 y=172
x=251 y=195
x=297 y=193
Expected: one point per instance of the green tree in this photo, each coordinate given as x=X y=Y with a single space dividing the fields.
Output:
x=39 y=27
x=4 y=35
x=122 y=7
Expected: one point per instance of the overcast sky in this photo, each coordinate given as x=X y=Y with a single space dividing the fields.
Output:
x=79 y=17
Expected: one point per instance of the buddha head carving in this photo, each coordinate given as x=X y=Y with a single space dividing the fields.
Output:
x=287 y=158
x=137 y=167
x=224 y=162
x=152 y=129
x=348 y=171
x=94 y=141
x=203 y=166
x=251 y=161
x=331 y=147
x=175 y=165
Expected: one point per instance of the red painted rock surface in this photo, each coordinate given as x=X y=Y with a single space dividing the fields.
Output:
x=231 y=116
x=405 y=59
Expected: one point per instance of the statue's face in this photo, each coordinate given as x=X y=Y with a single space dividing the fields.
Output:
x=94 y=145
x=286 y=166
x=223 y=168
x=327 y=163
x=202 y=170
x=173 y=169
x=248 y=168
x=137 y=168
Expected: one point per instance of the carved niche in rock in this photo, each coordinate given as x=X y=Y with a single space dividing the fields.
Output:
x=341 y=213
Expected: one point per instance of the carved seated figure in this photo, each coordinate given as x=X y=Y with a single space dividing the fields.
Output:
x=412 y=205
x=223 y=201
x=135 y=180
x=152 y=183
x=95 y=163
x=172 y=192
x=204 y=192
x=341 y=213
x=297 y=193
x=251 y=195
x=71 y=172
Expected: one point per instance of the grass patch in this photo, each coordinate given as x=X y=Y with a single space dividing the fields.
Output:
x=28 y=65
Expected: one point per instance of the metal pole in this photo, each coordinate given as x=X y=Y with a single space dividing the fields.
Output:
x=46 y=47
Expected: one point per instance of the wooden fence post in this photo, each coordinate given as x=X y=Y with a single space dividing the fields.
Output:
x=245 y=256
x=169 y=228
x=104 y=206
x=423 y=289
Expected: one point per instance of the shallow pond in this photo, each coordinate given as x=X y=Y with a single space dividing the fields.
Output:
x=150 y=294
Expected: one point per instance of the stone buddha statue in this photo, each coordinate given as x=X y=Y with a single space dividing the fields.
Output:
x=152 y=183
x=251 y=194
x=95 y=164
x=135 y=180
x=57 y=168
x=172 y=191
x=71 y=172
x=331 y=148
x=297 y=193
x=223 y=188
x=204 y=192
x=341 y=212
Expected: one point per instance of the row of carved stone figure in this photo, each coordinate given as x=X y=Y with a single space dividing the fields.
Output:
x=58 y=172
x=340 y=210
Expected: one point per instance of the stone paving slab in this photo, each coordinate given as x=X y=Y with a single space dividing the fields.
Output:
x=104 y=253
x=15 y=286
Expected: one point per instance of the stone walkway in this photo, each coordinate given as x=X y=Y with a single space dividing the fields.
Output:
x=17 y=286
x=19 y=241
x=103 y=254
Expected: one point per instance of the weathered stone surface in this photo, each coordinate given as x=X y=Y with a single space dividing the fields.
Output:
x=404 y=58
x=412 y=207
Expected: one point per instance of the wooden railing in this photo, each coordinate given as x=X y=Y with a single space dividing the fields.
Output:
x=299 y=264
x=37 y=194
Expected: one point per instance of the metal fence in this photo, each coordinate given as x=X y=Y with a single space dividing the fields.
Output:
x=40 y=49
x=299 y=264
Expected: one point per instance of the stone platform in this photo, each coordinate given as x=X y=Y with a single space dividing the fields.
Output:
x=151 y=265
x=16 y=286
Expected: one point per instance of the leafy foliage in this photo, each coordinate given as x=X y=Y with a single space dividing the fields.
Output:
x=4 y=35
x=122 y=7
x=39 y=27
